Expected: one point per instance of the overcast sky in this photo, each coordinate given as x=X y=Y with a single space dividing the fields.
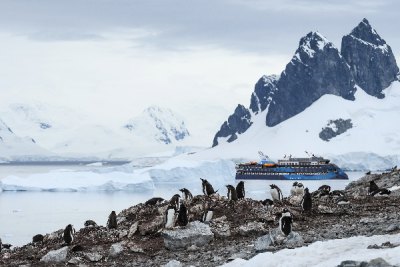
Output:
x=114 y=58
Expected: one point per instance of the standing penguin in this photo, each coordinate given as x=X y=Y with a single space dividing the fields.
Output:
x=1 y=244
x=325 y=188
x=170 y=217
x=208 y=190
x=306 y=202
x=186 y=195
x=285 y=222
x=208 y=215
x=240 y=190
x=112 y=221
x=68 y=234
x=183 y=215
x=300 y=189
x=276 y=193
x=232 y=195
x=293 y=190
x=373 y=188
x=174 y=201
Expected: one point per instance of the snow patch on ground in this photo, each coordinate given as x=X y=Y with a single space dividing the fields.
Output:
x=327 y=253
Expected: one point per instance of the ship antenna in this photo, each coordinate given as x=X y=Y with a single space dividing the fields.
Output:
x=308 y=154
x=262 y=156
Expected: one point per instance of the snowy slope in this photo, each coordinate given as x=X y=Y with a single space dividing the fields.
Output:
x=375 y=129
x=69 y=133
x=327 y=253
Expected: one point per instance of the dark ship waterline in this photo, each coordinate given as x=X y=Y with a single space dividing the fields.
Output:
x=311 y=168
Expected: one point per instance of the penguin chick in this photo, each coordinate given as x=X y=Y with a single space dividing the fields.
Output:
x=183 y=215
x=293 y=190
x=285 y=222
x=306 y=202
x=112 y=221
x=232 y=193
x=186 y=195
x=325 y=188
x=90 y=223
x=68 y=234
x=208 y=190
x=240 y=190
x=276 y=193
x=300 y=189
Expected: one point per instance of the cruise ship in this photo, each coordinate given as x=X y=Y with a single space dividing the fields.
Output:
x=290 y=168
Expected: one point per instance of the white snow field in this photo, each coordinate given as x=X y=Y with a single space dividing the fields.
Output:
x=327 y=253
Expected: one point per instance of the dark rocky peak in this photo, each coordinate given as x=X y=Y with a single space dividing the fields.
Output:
x=371 y=60
x=264 y=91
x=365 y=32
x=316 y=69
x=237 y=123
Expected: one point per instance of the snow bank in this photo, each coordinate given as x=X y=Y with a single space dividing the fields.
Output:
x=64 y=180
x=328 y=253
x=361 y=161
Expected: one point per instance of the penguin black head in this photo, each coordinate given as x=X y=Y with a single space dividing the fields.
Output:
x=300 y=185
x=295 y=184
x=306 y=190
x=176 y=196
x=230 y=187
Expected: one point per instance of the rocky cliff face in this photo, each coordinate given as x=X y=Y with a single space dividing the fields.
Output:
x=317 y=69
x=371 y=59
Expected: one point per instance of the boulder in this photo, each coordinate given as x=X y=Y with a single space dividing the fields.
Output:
x=146 y=228
x=252 y=228
x=59 y=255
x=173 y=263
x=116 y=249
x=133 y=229
x=93 y=256
x=263 y=243
x=221 y=229
x=196 y=233
x=293 y=240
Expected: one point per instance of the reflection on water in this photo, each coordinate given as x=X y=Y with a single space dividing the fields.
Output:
x=25 y=214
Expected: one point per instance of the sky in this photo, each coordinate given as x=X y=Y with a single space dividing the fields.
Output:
x=113 y=58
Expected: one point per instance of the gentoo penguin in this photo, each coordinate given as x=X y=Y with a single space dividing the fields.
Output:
x=276 y=193
x=240 y=190
x=154 y=201
x=342 y=200
x=300 y=189
x=208 y=215
x=183 y=215
x=1 y=244
x=90 y=223
x=285 y=222
x=381 y=192
x=68 y=234
x=337 y=193
x=170 y=217
x=186 y=195
x=306 y=202
x=174 y=201
x=325 y=188
x=373 y=187
x=267 y=202
x=112 y=221
x=232 y=193
x=293 y=190
x=368 y=173
x=208 y=190
x=7 y=246
x=37 y=238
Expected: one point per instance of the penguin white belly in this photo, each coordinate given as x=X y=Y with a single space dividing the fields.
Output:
x=209 y=216
x=275 y=194
x=170 y=218
x=293 y=191
x=300 y=190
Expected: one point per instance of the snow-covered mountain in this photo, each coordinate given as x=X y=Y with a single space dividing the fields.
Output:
x=71 y=134
x=158 y=124
x=325 y=101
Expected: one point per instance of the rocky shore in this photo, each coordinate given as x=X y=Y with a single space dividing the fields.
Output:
x=238 y=230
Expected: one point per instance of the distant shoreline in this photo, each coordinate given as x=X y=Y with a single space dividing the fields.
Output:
x=64 y=162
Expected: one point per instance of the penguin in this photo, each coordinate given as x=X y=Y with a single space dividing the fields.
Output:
x=232 y=195
x=7 y=246
x=373 y=188
x=90 y=223
x=37 y=238
x=325 y=188
x=240 y=190
x=174 y=201
x=208 y=190
x=68 y=234
x=381 y=192
x=112 y=221
x=337 y=193
x=208 y=215
x=267 y=202
x=342 y=200
x=293 y=190
x=170 y=217
x=276 y=193
x=306 y=202
x=300 y=189
x=154 y=201
x=1 y=244
x=183 y=215
x=368 y=173
x=186 y=196
x=285 y=222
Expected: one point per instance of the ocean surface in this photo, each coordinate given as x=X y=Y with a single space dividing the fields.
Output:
x=25 y=214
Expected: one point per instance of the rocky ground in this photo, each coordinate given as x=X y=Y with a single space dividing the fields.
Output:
x=237 y=230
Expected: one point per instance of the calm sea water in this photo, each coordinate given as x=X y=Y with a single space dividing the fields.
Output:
x=25 y=214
